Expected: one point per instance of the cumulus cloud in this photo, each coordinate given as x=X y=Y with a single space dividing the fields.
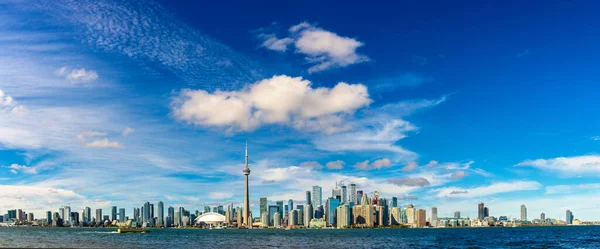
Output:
x=5 y=100
x=377 y=164
x=127 y=131
x=413 y=182
x=410 y=166
x=104 y=143
x=494 y=188
x=323 y=49
x=569 y=166
x=339 y=164
x=431 y=164
x=278 y=100
x=9 y=105
x=77 y=75
x=458 y=175
x=312 y=164
x=15 y=169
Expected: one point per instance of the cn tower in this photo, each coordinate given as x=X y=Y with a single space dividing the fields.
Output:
x=247 y=220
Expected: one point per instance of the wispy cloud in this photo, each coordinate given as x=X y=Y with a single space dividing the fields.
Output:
x=77 y=75
x=492 y=189
x=15 y=169
x=127 y=131
x=417 y=181
x=410 y=166
x=339 y=164
x=568 y=189
x=104 y=143
x=567 y=166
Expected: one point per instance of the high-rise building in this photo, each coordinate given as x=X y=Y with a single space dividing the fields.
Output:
x=421 y=220
x=480 y=211
x=160 y=220
x=543 y=217
x=300 y=209
x=395 y=216
x=317 y=192
x=180 y=216
x=362 y=215
x=319 y=212
x=263 y=206
x=394 y=201
x=61 y=212
x=146 y=212
x=308 y=199
x=344 y=220
x=113 y=213
x=434 y=217
x=87 y=215
x=206 y=209
x=344 y=194
x=99 y=216
x=332 y=204
x=136 y=214
x=290 y=204
x=277 y=220
x=359 y=198
x=353 y=194
x=68 y=215
x=281 y=210
x=247 y=219
x=272 y=210
x=457 y=215
x=336 y=192
x=308 y=215
x=523 y=213
x=486 y=212
x=411 y=215
x=121 y=215
x=171 y=215
x=49 y=217
x=569 y=217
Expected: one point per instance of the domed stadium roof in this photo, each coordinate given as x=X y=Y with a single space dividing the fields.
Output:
x=210 y=217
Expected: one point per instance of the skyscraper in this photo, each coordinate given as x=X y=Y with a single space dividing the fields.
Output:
x=411 y=215
x=67 y=215
x=146 y=212
x=272 y=210
x=457 y=214
x=359 y=195
x=49 y=217
x=421 y=221
x=317 y=192
x=480 y=211
x=87 y=215
x=246 y=172
x=160 y=220
x=434 y=217
x=569 y=217
x=336 y=192
x=543 y=217
x=353 y=193
x=344 y=194
x=99 y=216
x=291 y=204
x=332 y=205
x=113 y=214
x=136 y=214
x=280 y=208
x=308 y=199
x=486 y=212
x=171 y=215
x=121 y=215
x=263 y=206
x=308 y=215
x=523 y=213
x=394 y=201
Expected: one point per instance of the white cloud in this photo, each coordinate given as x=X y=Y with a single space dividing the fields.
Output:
x=312 y=165
x=220 y=195
x=273 y=43
x=431 y=163
x=568 y=166
x=339 y=164
x=5 y=100
x=567 y=189
x=494 y=188
x=34 y=197
x=410 y=166
x=15 y=169
x=377 y=164
x=104 y=143
x=127 y=131
x=324 y=49
x=89 y=134
x=278 y=100
x=77 y=75
x=458 y=175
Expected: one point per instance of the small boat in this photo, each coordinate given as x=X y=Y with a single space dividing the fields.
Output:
x=132 y=230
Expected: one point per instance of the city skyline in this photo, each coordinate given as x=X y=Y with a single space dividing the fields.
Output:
x=119 y=103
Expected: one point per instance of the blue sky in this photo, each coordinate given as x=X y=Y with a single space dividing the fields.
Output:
x=121 y=102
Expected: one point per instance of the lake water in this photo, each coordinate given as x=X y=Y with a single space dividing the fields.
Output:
x=520 y=237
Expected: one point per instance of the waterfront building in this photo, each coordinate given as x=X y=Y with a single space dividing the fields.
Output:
x=308 y=215
x=421 y=220
x=293 y=218
x=113 y=214
x=480 y=211
x=206 y=209
x=171 y=215
x=179 y=215
x=319 y=213
x=290 y=205
x=308 y=199
x=394 y=201
x=434 y=217
x=121 y=215
x=30 y=217
x=238 y=216
x=362 y=215
x=353 y=193
x=380 y=217
x=263 y=206
x=300 y=209
x=99 y=216
x=177 y=219
x=160 y=220
x=395 y=216
x=264 y=219
x=48 y=217
x=523 y=213
x=277 y=220
x=86 y=215
x=569 y=217
x=67 y=218
x=61 y=212
x=247 y=218
x=332 y=204
x=317 y=223
x=317 y=192
x=411 y=215
x=344 y=220
x=272 y=210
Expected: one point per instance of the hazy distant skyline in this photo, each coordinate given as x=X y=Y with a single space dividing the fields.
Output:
x=108 y=103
